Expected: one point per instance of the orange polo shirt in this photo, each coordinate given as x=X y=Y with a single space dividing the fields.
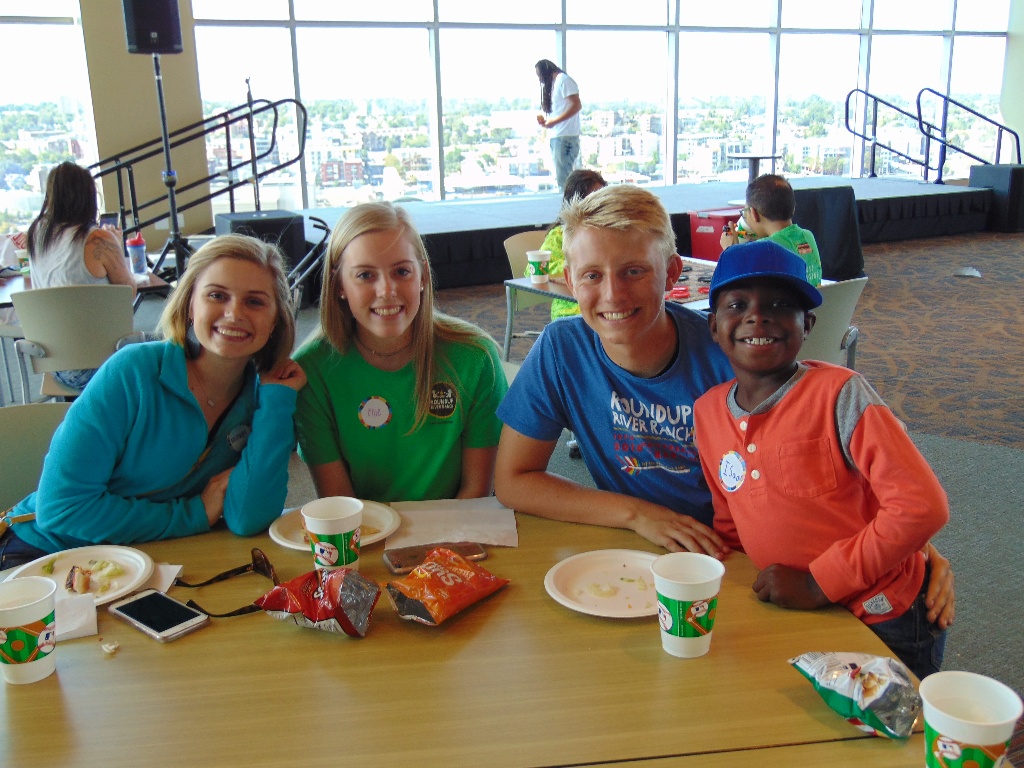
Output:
x=822 y=477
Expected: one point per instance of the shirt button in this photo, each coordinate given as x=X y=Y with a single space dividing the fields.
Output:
x=751 y=448
x=743 y=426
x=755 y=474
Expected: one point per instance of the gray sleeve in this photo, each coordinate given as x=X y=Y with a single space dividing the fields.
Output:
x=853 y=399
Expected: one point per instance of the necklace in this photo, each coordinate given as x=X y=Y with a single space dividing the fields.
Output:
x=199 y=381
x=362 y=344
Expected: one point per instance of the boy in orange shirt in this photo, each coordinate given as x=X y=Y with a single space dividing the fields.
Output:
x=810 y=472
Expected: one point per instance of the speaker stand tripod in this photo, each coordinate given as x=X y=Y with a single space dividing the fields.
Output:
x=175 y=244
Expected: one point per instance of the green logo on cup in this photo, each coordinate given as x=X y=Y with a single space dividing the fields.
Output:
x=335 y=549
x=538 y=267
x=944 y=752
x=32 y=642
x=687 y=619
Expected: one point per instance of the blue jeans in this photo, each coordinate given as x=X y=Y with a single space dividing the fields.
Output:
x=565 y=151
x=76 y=378
x=916 y=642
x=15 y=552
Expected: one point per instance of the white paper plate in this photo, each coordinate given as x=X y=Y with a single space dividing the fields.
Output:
x=287 y=529
x=615 y=583
x=138 y=566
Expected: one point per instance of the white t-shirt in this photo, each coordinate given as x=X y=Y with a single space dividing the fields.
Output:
x=564 y=87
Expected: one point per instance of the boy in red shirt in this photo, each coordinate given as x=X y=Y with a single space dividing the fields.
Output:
x=810 y=472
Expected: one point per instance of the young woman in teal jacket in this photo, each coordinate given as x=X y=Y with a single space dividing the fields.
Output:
x=173 y=436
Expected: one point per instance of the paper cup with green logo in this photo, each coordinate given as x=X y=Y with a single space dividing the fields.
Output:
x=968 y=720
x=687 y=584
x=28 y=633
x=537 y=265
x=332 y=524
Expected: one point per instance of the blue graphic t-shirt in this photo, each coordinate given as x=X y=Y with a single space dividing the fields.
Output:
x=636 y=434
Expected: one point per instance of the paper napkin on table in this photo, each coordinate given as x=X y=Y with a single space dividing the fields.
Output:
x=483 y=520
x=74 y=615
x=163 y=577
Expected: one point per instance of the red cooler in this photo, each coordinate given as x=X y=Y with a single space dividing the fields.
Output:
x=706 y=231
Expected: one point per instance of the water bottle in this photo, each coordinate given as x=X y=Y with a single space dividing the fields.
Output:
x=137 y=253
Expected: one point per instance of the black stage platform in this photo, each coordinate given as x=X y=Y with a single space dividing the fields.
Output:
x=465 y=238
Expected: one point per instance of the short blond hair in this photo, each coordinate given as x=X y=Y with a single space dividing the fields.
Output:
x=174 y=322
x=623 y=208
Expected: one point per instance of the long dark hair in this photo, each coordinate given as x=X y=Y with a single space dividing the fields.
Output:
x=70 y=203
x=547 y=71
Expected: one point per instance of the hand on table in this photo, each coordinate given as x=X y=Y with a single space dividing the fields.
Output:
x=213 y=496
x=789 y=588
x=940 y=598
x=290 y=374
x=678 y=533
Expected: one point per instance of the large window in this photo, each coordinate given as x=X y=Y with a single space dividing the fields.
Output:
x=816 y=72
x=623 y=81
x=726 y=84
x=45 y=109
x=437 y=99
x=368 y=93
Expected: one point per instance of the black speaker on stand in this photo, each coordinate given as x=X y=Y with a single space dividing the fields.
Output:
x=285 y=229
x=154 y=27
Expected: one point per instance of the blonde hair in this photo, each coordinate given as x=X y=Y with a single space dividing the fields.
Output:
x=622 y=208
x=174 y=322
x=428 y=327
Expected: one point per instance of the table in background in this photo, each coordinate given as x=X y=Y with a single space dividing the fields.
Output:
x=698 y=274
x=754 y=161
x=516 y=680
x=12 y=285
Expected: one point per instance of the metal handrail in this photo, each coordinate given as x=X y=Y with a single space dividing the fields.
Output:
x=944 y=142
x=873 y=103
x=929 y=130
x=136 y=215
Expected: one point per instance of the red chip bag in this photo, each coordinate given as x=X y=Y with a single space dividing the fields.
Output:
x=440 y=587
x=334 y=601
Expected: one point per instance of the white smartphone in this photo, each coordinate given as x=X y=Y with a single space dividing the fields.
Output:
x=161 y=617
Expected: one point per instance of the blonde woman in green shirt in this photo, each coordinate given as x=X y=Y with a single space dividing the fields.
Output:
x=401 y=398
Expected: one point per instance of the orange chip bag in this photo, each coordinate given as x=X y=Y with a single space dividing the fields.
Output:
x=440 y=587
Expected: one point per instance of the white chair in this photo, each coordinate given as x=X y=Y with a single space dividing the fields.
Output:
x=27 y=430
x=13 y=333
x=516 y=248
x=833 y=339
x=77 y=326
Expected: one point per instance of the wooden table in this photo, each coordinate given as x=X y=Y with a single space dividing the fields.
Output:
x=516 y=680
x=152 y=284
x=698 y=274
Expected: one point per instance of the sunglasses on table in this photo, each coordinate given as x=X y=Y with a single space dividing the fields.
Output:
x=260 y=564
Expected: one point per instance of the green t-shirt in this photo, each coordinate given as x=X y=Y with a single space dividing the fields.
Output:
x=801 y=242
x=351 y=411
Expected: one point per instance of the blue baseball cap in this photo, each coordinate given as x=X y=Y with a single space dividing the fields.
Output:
x=763 y=258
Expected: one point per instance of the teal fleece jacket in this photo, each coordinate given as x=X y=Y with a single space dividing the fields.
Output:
x=120 y=469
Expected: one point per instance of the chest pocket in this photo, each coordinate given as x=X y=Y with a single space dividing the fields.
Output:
x=806 y=468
